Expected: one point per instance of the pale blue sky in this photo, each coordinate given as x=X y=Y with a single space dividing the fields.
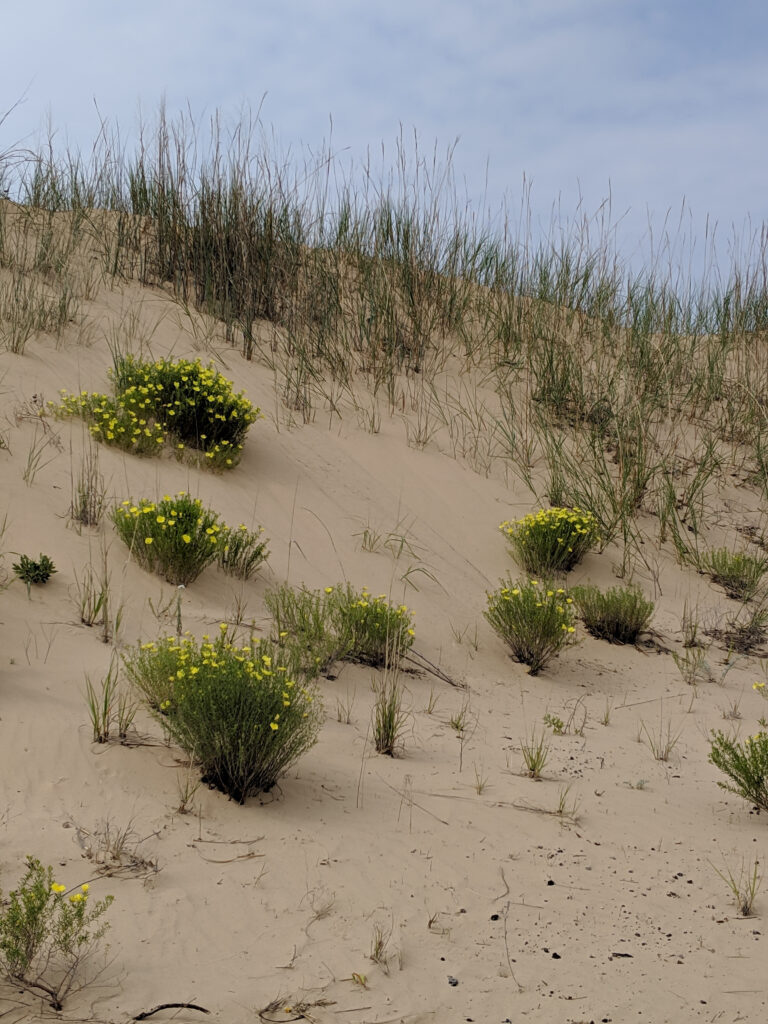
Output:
x=655 y=100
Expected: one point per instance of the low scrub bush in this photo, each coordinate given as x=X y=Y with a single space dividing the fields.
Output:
x=176 y=537
x=552 y=540
x=745 y=764
x=48 y=933
x=370 y=629
x=236 y=710
x=533 y=619
x=179 y=403
x=302 y=619
x=342 y=623
x=618 y=615
x=241 y=551
x=737 y=573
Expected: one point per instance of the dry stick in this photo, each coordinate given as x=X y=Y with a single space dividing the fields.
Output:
x=404 y=796
x=424 y=663
x=171 y=1006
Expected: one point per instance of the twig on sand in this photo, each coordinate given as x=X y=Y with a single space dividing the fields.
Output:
x=171 y=1006
x=418 y=659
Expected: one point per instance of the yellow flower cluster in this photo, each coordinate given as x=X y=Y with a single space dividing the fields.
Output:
x=552 y=539
x=157 y=401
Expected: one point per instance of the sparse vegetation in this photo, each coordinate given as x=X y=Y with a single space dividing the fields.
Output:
x=618 y=615
x=745 y=764
x=738 y=573
x=48 y=933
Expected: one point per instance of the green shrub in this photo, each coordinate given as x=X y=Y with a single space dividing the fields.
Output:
x=737 y=573
x=236 y=710
x=551 y=541
x=618 y=615
x=241 y=551
x=164 y=402
x=342 y=623
x=302 y=620
x=47 y=933
x=370 y=629
x=745 y=764
x=30 y=571
x=176 y=537
x=533 y=619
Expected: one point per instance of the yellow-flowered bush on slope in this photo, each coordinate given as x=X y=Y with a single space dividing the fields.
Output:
x=533 y=619
x=237 y=709
x=552 y=539
x=177 y=538
x=48 y=932
x=180 y=403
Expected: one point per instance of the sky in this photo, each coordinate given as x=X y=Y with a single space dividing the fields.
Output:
x=661 y=107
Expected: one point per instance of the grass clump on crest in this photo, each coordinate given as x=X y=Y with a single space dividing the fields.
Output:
x=180 y=403
x=618 y=615
x=48 y=933
x=236 y=709
x=552 y=540
x=739 y=574
x=745 y=764
x=533 y=619
x=176 y=537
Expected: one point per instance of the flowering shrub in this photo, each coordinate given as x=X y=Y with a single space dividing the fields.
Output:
x=370 y=629
x=745 y=764
x=236 y=710
x=165 y=402
x=553 y=540
x=534 y=620
x=175 y=537
x=48 y=932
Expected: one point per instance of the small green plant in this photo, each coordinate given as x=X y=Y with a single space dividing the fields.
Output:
x=30 y=571
x=389 y=717
x=535 y=751
x=745 y=764
x=737 y=573
x=744 y=888
x=242 y=551
x=618 y=615
x=557 y=725
x=662 y=742
x=236 y=709
x=693 y=665
x=176 y=537
x=533 y=619
x=48 y=933
x=88 y=492
x=109 y=707
x=552 y=540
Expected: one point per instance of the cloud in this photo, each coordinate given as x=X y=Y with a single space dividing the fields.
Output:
x=658 y=99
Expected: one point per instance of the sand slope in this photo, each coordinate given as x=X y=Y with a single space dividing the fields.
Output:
x=449 y=853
